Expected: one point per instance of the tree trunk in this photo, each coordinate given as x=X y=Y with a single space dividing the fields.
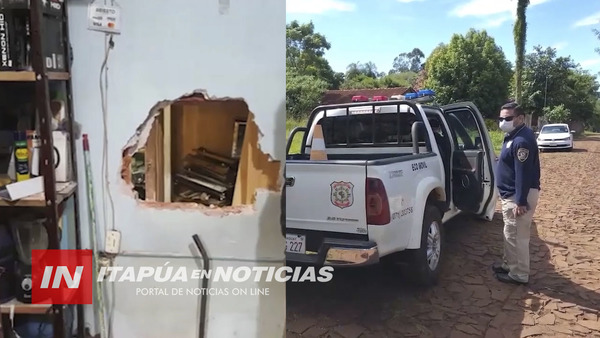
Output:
x=520 y=37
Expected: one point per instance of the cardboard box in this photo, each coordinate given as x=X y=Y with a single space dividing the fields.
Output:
x=16 y=191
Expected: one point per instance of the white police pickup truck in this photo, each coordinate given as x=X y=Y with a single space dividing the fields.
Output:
x=395 y=172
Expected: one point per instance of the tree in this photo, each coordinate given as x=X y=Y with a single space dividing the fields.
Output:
x=593 y=124
x=580 y=94
x=303 y=93
x=305 y=50
x=557 y=114
x=410 y=61
x=471 y=67
x=520 y=36
x=551 y=81
x=419 y=82
x=356 y=69
x=361 y=75
x=308 y=73
x=544 y=78
x=404 y=79
x=361 y=81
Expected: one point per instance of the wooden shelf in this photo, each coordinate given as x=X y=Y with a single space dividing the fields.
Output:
x=22 y=308
x=61 y=76
x=63 y=192
x=25 y=76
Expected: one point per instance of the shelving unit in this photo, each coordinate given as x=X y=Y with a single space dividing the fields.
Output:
x=63 y=192
x=52 y=201
x=20 y=308
x=30 y=76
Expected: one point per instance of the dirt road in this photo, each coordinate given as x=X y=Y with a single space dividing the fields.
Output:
x=561 y=300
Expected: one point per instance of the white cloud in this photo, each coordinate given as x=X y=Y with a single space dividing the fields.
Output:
x=483 y=8
x=560 y=45
x=593 y=19
x=496 y=22
x=408 y=1
x=317 y=6
x=590 y=62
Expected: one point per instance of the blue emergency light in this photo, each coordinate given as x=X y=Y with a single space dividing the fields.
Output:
x=425 y=92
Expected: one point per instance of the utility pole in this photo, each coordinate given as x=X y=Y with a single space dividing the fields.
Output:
x=546 y=91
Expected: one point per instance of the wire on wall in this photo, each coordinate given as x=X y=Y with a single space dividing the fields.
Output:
x=109 y=220
x=109 y=45
x=108 y=215
x=108 y=207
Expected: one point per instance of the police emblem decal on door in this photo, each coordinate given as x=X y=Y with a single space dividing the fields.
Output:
x=342 y=195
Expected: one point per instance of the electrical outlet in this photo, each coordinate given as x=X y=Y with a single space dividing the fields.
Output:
x=113 y=242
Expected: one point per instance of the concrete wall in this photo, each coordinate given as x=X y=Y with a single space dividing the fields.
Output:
x=230 y=48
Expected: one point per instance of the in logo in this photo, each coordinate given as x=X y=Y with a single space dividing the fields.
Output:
x=61 y=277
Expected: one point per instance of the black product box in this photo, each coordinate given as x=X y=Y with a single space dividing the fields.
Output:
x=15 y=36
x=14 y=44
x=49 y=7
x=53 y=43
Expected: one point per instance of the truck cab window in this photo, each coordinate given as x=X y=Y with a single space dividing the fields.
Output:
x=359 y=129
x=467 y=132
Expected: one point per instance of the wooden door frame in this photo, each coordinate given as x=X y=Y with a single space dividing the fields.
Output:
x=158 y=158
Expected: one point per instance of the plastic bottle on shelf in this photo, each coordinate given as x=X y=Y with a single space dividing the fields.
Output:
x=21 y=156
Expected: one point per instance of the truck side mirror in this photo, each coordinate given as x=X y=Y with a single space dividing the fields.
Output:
x=572 y=131
x=537 y=132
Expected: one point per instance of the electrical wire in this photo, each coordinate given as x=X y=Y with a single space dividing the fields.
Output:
x=109 y=45
x=106 y=193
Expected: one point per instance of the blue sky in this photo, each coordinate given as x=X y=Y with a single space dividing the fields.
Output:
x=378 y=30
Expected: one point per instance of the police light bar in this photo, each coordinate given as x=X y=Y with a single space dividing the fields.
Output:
x=425 y=92
x=360 y=98
x=380 y=98
x=410 y=96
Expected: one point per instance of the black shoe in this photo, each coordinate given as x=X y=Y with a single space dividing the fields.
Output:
x=505 y=278
x=497 y=268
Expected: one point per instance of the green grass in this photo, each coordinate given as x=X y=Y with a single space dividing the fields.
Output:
x=496 y=136
x=297 y=142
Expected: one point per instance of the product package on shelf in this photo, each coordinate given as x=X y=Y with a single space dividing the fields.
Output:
x=15 y=35
x=14 y=40
x=49 y=7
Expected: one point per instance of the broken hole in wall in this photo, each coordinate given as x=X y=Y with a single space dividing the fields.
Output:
x=199 y=151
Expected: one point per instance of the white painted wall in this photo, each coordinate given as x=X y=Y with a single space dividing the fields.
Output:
x=167 y=49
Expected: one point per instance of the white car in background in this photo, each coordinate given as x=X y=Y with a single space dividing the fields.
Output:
x=555 y=136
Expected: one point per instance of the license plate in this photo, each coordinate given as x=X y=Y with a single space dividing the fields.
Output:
x=553 y=144
x=295 y=243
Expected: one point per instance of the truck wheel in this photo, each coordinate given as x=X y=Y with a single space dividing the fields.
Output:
x=425 y=262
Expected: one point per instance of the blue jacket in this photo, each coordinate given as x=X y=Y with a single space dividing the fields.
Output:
x=518 y=168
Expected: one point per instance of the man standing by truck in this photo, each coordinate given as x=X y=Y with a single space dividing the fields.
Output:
x=518 y=181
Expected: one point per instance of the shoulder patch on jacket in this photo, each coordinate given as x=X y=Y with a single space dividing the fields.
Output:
x=523 y=154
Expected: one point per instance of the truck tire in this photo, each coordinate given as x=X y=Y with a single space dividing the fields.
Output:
x=425 y=262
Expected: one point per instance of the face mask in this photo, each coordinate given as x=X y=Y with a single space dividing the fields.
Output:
x=507 y=126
